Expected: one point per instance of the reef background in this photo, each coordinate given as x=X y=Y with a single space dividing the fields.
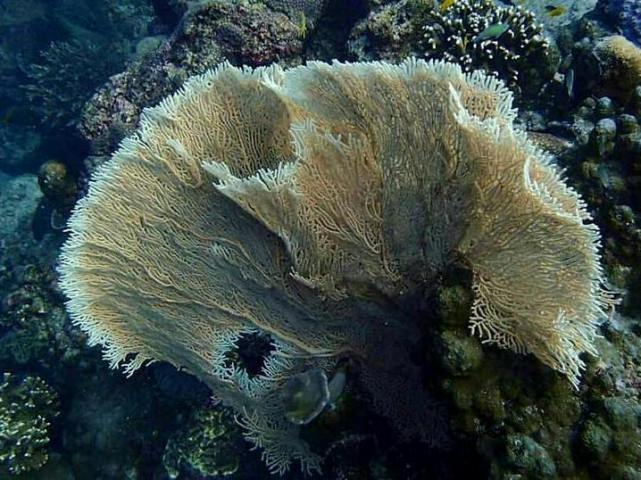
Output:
x=76 y=75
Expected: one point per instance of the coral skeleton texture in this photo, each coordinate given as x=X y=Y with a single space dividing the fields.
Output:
x=302 y=206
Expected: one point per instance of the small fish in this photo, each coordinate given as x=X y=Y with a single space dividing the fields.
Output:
x=491 y=32
x=336 y=386
x=446 y=4
x=555 y=10
x=302 y=26
x=565 y=63
x=569 y=82
x=464 y=44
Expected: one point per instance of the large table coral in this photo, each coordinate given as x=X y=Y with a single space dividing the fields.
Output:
x=296 y=211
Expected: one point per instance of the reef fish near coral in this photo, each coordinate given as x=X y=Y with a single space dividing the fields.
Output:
x=492 y=32
x=559 y=13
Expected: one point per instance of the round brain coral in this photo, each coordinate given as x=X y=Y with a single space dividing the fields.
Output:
x=299 y=208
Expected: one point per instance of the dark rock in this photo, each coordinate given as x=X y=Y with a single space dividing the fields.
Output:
x=526 y=455
x=604 y=107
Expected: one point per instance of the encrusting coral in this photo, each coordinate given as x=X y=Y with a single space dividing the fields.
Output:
x=303 y=209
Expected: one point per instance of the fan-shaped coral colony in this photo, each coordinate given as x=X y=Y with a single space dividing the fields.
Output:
x=302 y=207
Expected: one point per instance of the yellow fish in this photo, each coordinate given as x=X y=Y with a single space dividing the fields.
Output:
x=446 y=4
x=553 y=11
x=302 y=26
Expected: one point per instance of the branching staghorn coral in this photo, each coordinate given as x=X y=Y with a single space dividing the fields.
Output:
x=305 y=206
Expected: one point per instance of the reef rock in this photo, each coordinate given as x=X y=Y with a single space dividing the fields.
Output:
x=19 y=197
x=209 y=32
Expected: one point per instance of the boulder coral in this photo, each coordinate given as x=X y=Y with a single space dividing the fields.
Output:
x=301 y=211
x=620 y=61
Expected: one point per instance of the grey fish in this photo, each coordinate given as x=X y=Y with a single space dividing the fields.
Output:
x=569 y=82
x=565 y=63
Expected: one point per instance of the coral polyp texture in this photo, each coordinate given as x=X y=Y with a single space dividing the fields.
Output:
x=297 y=210
x=27 y=407
x=481 y=34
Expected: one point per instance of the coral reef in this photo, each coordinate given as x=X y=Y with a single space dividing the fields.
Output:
x=388 y=33
x=206 y=446
x=54 y=55
x=507 y=416
x=608 y=171
x=620 y=60
x=528 y=428
x=609 y=438
x=626 y=17
x=34 y=327
x=568 y=12
x=540 y=428
x=241 y=33
x=86 y=45
x=519 y=54
x=307 y=12
x=108 y=427
x=316 y=239
x=456 y=36
x=27 y=407
x=66 y=76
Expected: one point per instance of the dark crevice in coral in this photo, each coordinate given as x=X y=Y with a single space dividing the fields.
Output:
x=329 y=39
x=166 y=14
x=251 y=351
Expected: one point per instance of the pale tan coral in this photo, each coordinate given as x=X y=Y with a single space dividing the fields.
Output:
x=301 y=205
x=621 y=64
